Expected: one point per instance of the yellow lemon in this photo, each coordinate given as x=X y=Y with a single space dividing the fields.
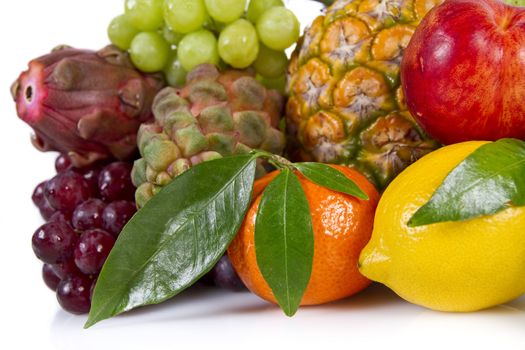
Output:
x=451 y=266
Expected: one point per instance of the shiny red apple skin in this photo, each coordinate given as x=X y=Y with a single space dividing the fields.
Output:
x=463 y=73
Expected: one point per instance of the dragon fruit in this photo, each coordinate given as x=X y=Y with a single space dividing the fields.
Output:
x=86 y=104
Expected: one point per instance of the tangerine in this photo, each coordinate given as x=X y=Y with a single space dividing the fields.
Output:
x=342 y=226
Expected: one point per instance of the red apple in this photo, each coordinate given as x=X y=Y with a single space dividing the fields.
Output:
x=463 y=73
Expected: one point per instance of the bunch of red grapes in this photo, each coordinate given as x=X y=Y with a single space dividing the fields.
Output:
x=85 y=210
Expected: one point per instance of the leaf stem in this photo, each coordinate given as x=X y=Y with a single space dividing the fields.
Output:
x=274 y=159
x=326 y=2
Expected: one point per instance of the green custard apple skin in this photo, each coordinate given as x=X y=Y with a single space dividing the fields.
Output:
x=345 y=103
x=215 y=114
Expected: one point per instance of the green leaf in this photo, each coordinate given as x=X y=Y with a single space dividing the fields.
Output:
x=487 y=181
x=284 y=240
x=176 y=237
x=326 y=176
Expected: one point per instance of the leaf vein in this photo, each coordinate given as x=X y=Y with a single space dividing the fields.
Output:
x=285 y=228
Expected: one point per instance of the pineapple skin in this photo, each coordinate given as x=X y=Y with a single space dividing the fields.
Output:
x=346 y=104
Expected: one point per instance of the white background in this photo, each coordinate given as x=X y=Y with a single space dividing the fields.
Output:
x=29 y=314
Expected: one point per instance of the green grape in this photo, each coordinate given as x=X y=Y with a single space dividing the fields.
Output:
x=238 y=44
x=278 y=83
x=278 y=28
x=257 y=8
x=185 y=16
x=149 y=52
x=145 y=15
x=121 y=32
x=270 y=63
x=174 y=73
x=197 y=48
x=225 y=11
x=171 y=37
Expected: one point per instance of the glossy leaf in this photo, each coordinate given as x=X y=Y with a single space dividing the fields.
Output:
x=326 y=176
x=284 y=240
x=487 y=181
x=176 y=237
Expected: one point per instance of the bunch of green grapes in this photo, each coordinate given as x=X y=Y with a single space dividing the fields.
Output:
x=174 y=36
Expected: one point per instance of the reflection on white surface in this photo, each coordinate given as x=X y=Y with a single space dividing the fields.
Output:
x=213 y=318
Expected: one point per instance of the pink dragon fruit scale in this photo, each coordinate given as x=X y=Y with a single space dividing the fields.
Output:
x=84 y=103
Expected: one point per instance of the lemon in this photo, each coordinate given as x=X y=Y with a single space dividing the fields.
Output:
x=451 y=266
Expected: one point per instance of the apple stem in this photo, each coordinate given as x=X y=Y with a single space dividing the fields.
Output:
x=515 y=2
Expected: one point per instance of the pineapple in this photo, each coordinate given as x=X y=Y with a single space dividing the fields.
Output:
x=346 y=104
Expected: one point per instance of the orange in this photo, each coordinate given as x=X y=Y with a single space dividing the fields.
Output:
x=342 y=226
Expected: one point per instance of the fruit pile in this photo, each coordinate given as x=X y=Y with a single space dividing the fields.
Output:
x=159 y=187
x=175 y=36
